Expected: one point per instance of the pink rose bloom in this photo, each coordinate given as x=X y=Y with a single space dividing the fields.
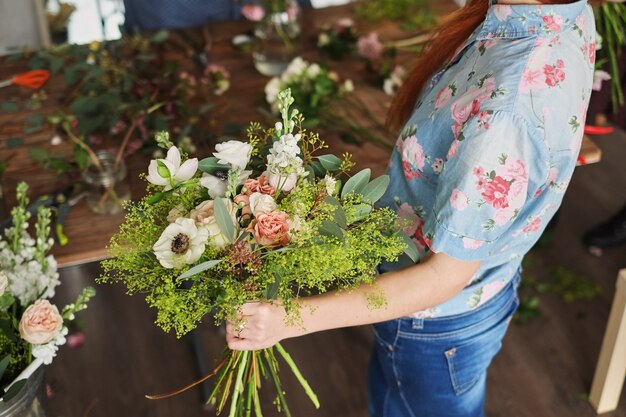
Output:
x=409 y=221
x=370 y=47
x=253 y=12
x=458 y=200
x=553 y=23
x=502 y=11
x=260 y=185
x=489 y=291
x=532 y=226
x=496 y=192
x=413 y=152
x=443 y=97
x=271 y=229
x=40 y=323
x=469 y=243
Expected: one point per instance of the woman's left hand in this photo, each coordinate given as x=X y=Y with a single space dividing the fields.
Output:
x=260 y=325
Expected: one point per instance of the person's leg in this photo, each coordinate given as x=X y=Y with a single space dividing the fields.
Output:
x=437 y=367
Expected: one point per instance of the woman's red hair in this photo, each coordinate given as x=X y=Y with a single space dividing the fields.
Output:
x=450 y=35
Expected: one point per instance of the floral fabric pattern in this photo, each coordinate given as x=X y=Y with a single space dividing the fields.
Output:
x=483 y=163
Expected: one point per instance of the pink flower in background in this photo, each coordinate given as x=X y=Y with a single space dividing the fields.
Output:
x=553 y=23
x=253 y=12
x=469 y=243
x=502 y=11
x=496 y=192
x=370 y=47
x=76 y=340
x=458 y=200
x=598 y=78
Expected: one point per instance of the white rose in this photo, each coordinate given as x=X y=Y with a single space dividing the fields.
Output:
x=216 y=186
x=216 y=237
x=233 y=152
x=4 y=282
x=285 y=184
x=261 y=203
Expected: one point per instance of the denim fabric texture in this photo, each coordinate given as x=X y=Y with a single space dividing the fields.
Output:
x=437 y=367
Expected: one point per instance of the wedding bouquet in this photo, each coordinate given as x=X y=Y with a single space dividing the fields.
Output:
x=266 y=219
x=31 y=328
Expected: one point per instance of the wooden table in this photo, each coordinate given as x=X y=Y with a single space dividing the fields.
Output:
x=88 y=233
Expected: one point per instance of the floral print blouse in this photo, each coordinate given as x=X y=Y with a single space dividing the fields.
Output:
x=482 y=164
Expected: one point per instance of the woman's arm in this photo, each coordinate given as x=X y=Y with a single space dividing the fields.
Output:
x=418 y=287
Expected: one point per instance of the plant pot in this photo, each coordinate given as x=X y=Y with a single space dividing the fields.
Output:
x=106 y=186
x=28 y=402
x=277 y=37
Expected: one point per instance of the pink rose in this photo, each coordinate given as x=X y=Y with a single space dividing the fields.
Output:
x=261 y=185
x=443 y=97
x=370 y=47
x=454 y=149
x=40 y=323
x=496 y=192
x=592 y=53
x=271 y=229
x=458 y=200
x=253 y=12
x=202 y=213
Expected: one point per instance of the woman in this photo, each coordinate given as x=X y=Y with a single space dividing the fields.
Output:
x=493 y=117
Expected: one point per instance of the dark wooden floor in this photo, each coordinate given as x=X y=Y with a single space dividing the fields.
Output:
x=545 y=367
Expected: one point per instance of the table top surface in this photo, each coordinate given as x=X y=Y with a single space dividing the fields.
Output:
x=89 y=234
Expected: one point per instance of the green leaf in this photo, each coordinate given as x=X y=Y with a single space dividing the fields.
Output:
x=156 y=198
x=7 y=329
x=56 y=63
x=199 y=268
x=318 y=169
x=160 y=37
x=360 y=211
x=373 y=191
x=6 y=301
x=272 y=289
x=15 y=142
x=14 y=390
x=9 y=106
x=339 y=215
x=81 y=156
x=211 y=166
x=410 y=249
x=332 y=200
x=224 y=220
x=330 y=229
x=3 y=364
x=330 y=162
x=356 y=183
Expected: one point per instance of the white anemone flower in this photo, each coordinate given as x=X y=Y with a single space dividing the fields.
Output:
x=182 y=242
x=169 y=172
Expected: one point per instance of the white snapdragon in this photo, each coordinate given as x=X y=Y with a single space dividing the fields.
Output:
x=284 y=166
x=46 y=352
x=169 y=172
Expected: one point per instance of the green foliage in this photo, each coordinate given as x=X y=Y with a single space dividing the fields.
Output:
x=412 y=14
x=611 y=26
x=18 y=349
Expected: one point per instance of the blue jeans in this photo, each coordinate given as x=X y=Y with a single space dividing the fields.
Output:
x=438 y=367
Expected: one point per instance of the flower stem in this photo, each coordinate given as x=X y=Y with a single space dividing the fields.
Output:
x=298 y=374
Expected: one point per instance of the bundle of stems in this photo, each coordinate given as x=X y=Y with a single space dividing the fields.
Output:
x=611 y=26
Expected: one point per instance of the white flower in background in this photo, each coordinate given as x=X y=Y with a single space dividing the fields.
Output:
x=176 y=213
x=348 y=86
x=182 y=242
x=56 y=140
x=313 y=70
x=323 y=39
x=216 y=186
x=598 y=78
x=169 y=172
x=233 y=152
x=331 y=184
x=4 y=282
x=261 y=203
x=395 y=80
x=599 y=41
x=272 y=88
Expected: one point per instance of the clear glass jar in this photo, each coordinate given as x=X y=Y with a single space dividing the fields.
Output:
x=277 y=40
x=106 y=186
x=28 y=402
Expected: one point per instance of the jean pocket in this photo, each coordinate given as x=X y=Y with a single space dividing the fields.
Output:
x=386 y=334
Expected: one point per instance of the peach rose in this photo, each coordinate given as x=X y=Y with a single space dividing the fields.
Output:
x=202 y=213
x=271 y=229
x=261 y=185
x=40 y=323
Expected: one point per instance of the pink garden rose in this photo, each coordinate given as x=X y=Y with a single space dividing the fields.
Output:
x=533 y=226
x=253 y=12
x=458 y=200
x=554 y=73
x=271 y=229
x=496 y=192
x=370 y=47
x=40 y=323
x=260 y=185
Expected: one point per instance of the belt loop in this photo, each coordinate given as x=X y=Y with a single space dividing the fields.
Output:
x=417 y=323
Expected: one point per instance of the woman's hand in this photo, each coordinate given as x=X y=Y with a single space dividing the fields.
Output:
x=260 y=325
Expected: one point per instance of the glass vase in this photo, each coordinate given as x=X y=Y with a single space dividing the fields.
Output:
x=106 y=185
x=28 y=402
x=277 y=40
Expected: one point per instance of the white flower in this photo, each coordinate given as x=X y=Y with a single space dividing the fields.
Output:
x=599 y=41
x=169 y=172
x=233 y=152
x=216 y=186
x=331 y=184
x=389 y=87
x=296 y=224
x=56 y=140
x=180 y=243
x=323 y=39
x=261 y=203
x=4 y=282
x=272 y=88
x=176 y=213
x=204 y=216
x=284 y=183
x=313 y=70
x=348 y=86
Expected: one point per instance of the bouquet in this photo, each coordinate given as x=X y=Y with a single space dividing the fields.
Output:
x=31 y=328
x=267 y=219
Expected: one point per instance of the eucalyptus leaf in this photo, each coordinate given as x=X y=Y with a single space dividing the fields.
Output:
x=211 y=165
x=339 y=215
x=14 y=390
x=360 y=211
x=272 y=289
x=3 y=364
x=328 y=228
x=330 y=162
x=224 y=220
x=332 y=201
x=357 y=182
x=156 y=198
x=410 y=249
x=373 y=191
x=199 y=268
x=318 y=169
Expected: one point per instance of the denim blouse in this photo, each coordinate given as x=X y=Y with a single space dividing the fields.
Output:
x=482 y=164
